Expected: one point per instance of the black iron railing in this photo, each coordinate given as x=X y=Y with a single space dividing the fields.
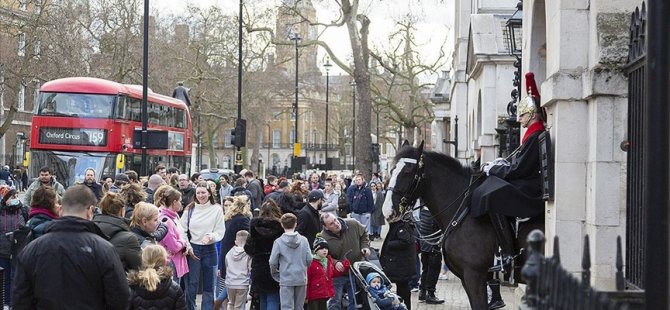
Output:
x=552 y=287
x=634 y=145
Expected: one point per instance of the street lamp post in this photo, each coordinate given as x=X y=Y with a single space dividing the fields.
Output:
x=296 y=38
x=267 y=160
x=327 y=65
x=198 y=156
x=353 y=137
x=238 y=151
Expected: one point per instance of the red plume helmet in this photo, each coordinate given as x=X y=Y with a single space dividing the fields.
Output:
x=530 y=103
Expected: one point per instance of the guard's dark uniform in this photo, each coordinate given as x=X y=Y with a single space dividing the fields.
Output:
x=515 y=190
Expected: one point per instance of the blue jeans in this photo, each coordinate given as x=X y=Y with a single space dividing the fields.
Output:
x=363 y=218
x=340 y=284
x=376 y=229
x=269 y=301
x=414 y=282
x=201 y=270
x=223 y=295
x=5 y=263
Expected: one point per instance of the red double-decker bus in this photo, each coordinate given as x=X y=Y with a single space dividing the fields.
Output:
x=84 y=122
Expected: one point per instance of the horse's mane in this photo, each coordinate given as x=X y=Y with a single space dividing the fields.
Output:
x=441 y=159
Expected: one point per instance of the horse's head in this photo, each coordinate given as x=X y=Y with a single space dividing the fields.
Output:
x=404 y=188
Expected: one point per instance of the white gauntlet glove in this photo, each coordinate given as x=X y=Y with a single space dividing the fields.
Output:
x=497 y=162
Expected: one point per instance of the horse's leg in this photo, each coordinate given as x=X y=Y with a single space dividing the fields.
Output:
x=474 y=282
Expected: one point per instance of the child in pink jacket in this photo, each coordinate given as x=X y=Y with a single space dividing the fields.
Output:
x=174 y=242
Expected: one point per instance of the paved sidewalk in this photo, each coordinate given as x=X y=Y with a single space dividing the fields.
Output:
x=452 y=291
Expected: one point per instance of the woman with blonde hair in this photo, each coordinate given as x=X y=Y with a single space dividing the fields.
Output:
x=204 y=228
x=175 y=240
x=116 y=228
x=144 y=223
x=152 y=287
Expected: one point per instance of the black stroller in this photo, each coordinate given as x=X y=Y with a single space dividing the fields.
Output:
x=358 y=274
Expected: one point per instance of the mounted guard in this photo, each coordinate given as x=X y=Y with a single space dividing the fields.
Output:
x=514 y=188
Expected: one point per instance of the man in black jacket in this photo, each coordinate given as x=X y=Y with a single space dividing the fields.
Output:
x=431 y=257
x=89 y=181
x=72 y=266
x=308 y=217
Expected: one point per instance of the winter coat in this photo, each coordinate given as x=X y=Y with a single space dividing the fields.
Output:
x=70 y=243
x=309 y=223
x=237 y=271
x=167 y=296
x=262 y=235
x=320 y=279
x=256 y=193
x=187 y=196
x=360 y=199
x=343 y=206
x=377 y=217
x=331 y=203
x=289 y=259
x=96 y=188
x=39 y=220
x=124 y=241
x=233 y=225
x=144 y=238
x=428 y=227
x=174 y=242
x=514 y=190
x=11 y=218
x=28 y=196
x=399 y=252
x=353 y=236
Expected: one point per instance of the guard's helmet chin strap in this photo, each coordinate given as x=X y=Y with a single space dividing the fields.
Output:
x=530 y=118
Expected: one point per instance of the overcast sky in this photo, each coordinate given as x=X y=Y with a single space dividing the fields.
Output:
x=434 y=21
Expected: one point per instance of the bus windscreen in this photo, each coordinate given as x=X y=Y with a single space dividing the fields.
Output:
x=76 y=105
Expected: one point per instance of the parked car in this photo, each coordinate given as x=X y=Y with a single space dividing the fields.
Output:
x=214 y=174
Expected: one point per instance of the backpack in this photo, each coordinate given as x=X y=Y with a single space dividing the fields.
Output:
x=19 y=239
x=343 y=206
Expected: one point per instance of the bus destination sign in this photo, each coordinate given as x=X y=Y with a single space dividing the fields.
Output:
x=73 y=136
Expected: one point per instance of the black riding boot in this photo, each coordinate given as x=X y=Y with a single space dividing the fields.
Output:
x=431 y=299
x=505 y=239
x=422 y=295
x=496 y=300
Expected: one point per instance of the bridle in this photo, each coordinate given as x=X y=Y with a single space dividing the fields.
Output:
x=410 y=196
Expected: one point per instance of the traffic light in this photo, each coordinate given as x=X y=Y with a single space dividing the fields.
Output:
x=374 y=151
x=232 y=137
x=238 y=135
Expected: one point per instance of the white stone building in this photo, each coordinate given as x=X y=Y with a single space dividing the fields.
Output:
x=577 y=50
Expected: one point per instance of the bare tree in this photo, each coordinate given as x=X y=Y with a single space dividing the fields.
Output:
x=398 y=89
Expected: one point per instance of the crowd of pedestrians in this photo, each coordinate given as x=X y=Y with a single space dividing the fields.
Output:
x=139 y=243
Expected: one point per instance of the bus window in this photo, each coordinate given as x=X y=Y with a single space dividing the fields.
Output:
x=76 y=105
x=180 y=118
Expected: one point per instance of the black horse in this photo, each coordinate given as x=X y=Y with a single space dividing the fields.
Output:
x=440 y=182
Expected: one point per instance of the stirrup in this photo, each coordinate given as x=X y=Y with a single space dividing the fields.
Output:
x=502 y=263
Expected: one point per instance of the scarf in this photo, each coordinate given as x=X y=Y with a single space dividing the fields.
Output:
x=323 y=261
x=534 y=127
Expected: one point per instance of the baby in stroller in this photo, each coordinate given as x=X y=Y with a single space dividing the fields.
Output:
x=383 y=297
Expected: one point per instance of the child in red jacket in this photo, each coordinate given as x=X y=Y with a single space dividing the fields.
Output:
x=320 y=276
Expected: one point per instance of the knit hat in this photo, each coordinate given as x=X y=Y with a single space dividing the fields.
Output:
x=6 y=192
x=319 y=243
